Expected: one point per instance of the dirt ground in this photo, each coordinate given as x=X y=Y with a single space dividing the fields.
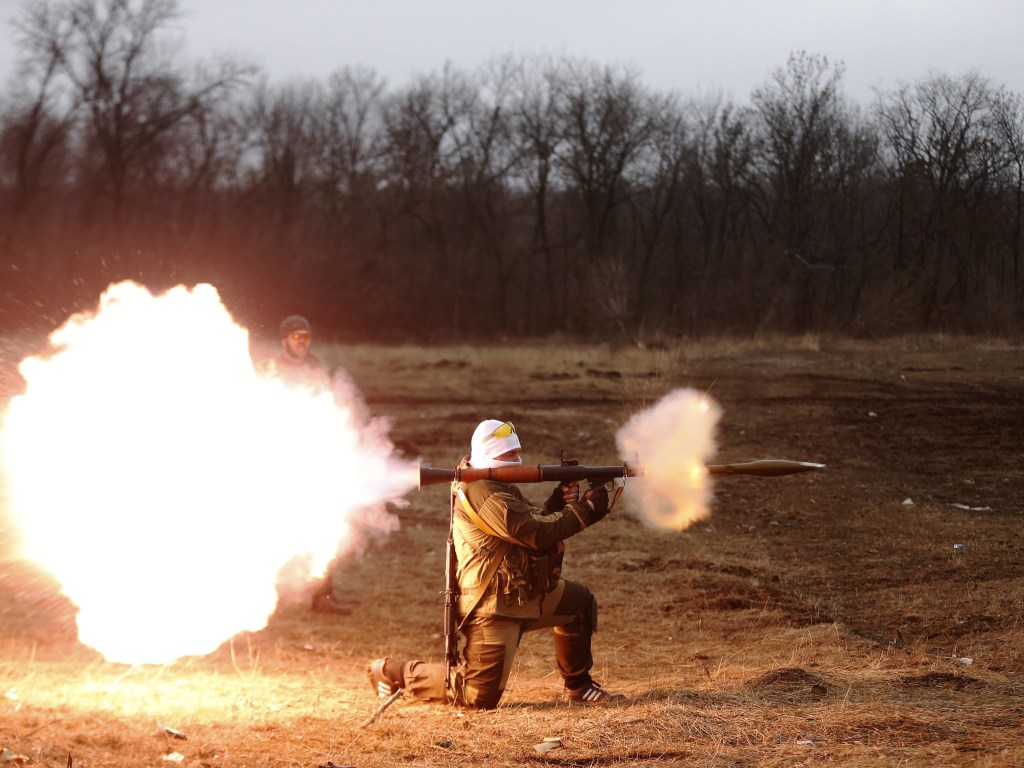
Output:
x=865 y=614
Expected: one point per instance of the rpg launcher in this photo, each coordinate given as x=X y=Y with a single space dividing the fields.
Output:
x=566 y=472
x=562 y=473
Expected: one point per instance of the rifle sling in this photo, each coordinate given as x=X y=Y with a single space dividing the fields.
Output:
x=492 y=568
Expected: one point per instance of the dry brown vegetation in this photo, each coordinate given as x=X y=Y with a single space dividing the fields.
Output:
x=813 y=619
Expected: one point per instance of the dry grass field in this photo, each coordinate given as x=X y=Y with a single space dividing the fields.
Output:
x=820 y=618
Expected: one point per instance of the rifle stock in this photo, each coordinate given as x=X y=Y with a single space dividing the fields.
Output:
x=540 y=473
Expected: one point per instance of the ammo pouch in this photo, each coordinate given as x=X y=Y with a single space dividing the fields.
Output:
x=524 y=575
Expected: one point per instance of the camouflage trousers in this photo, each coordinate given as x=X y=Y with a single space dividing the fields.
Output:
x=490 y=644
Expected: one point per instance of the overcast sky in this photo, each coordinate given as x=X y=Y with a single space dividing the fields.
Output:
x=684 y=45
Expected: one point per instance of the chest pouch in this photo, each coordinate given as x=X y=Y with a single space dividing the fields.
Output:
x=516 y=584
x=525 y=575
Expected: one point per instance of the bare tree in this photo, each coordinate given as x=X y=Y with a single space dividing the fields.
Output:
x=529 y=196
x=657 y=209
x=607 y=120
x=119 y=63
x=197 y=176
x=1009 y=119
x=947 y=154
x=482 y=156
x=34 y=139
x=282 y=149
x=349 y=127
x=346 y=209
x=799 y=117
x=421 y=169
x=717 y=173
x=536 y=134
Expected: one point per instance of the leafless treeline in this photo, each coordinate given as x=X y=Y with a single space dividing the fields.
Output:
x=529 y=197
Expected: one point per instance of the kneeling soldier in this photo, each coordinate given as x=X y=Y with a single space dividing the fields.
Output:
x=509 y=563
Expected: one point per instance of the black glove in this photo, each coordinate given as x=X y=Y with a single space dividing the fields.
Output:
x=599 y=498
x=562 y=496
x=556 y=500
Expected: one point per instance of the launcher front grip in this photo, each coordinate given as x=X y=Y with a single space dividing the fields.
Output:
x=541 y=473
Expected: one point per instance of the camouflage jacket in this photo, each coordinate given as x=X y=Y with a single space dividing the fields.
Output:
x=533 y=560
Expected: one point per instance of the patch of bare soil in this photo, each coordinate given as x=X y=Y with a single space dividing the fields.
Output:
x=865 y=614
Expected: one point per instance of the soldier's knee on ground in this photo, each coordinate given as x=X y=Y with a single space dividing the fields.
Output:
x=481 y=698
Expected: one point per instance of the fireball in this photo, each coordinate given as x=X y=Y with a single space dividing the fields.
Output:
x=165 y=483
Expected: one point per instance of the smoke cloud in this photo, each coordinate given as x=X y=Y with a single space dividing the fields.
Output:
x=672 y=441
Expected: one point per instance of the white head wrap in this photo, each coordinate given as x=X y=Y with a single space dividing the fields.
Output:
x=486 y=447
